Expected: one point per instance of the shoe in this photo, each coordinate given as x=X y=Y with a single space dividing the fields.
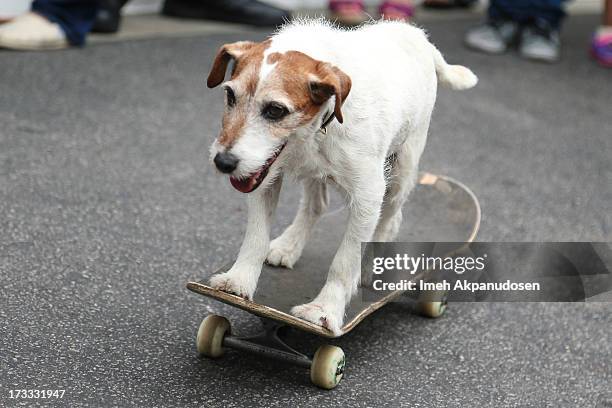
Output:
x=448 y=4
x=348 y=12
x=32 y=32
x=396 y=10
x=108 y=17
x=540 y=42
x=250 y=12
x=493 y=37
x=601 y=46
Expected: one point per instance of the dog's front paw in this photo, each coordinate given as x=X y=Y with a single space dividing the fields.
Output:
x=327 y=315
x=283 y=253
x=232 y=283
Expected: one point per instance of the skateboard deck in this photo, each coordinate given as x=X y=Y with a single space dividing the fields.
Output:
x=439 y=209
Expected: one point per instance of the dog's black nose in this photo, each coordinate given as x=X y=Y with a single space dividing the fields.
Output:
x=226 y=162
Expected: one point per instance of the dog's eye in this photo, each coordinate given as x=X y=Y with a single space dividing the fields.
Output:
x=274 y=111
x=231 y=97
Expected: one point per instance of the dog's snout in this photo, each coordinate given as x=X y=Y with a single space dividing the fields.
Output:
x=226 y=162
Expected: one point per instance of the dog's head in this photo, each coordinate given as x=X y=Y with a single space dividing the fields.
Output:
x=270 y=97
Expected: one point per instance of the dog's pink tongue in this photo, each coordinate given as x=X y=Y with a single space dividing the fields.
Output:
x=245 y=185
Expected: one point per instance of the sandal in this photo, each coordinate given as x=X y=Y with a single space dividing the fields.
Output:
x=601 y=47
x=394 y=10
x=348 y=12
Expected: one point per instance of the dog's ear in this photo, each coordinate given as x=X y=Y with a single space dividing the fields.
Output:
x=330 y=81
x=225 y=54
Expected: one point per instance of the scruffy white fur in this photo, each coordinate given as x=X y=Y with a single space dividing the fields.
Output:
x=395 y=71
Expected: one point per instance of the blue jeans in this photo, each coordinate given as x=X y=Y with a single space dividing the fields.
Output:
x=549 y=12
x=75 y=17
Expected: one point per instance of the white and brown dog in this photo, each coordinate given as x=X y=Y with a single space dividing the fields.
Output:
x=348 y=108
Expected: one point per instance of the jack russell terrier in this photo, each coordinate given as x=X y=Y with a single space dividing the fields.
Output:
x=327 y=106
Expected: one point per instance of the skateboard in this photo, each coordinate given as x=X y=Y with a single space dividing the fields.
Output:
x=438 y=209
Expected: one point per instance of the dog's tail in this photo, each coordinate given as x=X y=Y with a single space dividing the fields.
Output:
x=454 y=76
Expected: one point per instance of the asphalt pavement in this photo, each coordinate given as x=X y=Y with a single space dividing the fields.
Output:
x=108 y=206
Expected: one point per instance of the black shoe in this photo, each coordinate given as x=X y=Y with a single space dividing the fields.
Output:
x=448 y=4
x=108 y=16
x=234 y=11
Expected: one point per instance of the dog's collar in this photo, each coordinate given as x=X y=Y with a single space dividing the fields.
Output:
x=326 y=122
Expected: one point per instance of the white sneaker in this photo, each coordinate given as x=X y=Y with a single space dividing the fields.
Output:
x=493 y=37
x=540 y=43
x=32 y=31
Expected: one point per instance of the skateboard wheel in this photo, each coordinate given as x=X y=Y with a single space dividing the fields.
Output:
x=432 y=303
x=210 y=335
x=327 y=367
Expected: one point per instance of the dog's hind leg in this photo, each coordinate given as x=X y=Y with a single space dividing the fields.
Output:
x=401 y=179
x=287 y=248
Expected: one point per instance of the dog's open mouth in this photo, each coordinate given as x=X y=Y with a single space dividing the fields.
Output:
x=253 y=180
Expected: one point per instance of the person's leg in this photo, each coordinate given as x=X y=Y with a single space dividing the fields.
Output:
x=601 y=46
x=498 y=11
x=528 y=11
x=75 y=17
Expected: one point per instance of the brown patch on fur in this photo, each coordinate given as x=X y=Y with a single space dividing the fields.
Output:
x=249 y=66
x=232 y=127
x=248 y=58
x=309 y=83
x=274 y=57
x=224 y=55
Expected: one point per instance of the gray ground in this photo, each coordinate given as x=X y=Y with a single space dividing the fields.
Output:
x=108 y=206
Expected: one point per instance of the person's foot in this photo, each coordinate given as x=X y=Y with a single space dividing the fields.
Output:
x=540 y=42
x=108 y=17
x=493 y=37
x=32 y=31
x=250 y=12
x=399 y=10
x=601 y=46
x=348 y=12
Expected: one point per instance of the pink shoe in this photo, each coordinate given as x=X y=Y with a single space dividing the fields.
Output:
x=348 y=12
x=394 y=10
x=601 y=48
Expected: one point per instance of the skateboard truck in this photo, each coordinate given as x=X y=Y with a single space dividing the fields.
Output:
x=326 y=366
x=268 y=344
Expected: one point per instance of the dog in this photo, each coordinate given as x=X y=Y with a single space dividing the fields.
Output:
x=327 y=106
